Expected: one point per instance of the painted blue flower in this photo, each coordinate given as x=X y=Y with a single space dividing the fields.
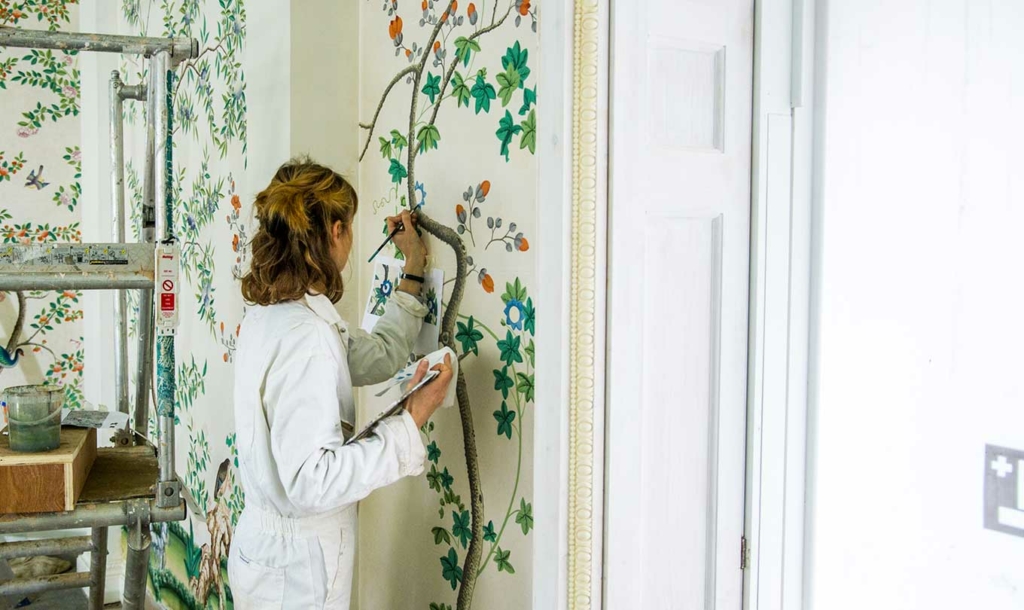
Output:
x=385 y=288
x=514 y=320
x=423 y=193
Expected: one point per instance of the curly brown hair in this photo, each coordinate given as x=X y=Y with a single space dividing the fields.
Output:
x=291 y=250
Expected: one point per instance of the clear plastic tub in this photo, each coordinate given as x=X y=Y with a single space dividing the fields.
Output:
x=33 y=415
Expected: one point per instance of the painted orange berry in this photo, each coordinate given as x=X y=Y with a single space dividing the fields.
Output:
x=424 y=4
x=236 y=202
x=234 y=246
x=455 y=5
x=485 y=187
x=221 y=327
x=488 y=283
x=225 y=357
x=395 y=27
x=471 y=9
x=524 y=245
x=437 y=45
x=408 y=53
x=524 y=8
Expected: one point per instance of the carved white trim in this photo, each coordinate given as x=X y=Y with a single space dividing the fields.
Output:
x=585 y=470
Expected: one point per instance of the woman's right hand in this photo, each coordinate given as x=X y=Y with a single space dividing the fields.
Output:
x=422 y=403
x=409 y=242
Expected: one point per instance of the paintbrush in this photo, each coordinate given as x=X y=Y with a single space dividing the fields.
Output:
x=398 y=228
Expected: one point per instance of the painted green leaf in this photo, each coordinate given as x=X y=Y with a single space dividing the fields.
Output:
x=529 y=317
x=524 y=516
x=385 y=147
x=502 y=382
x=501 y=558
x=514 y=291
x=460 y=90
x=530 y=352
x=433 y=87
x=397 y=171
x=525 y=386
x=468 y=336
x=464 y=48
x=504 y=417
x=507 y=130
x=516 y=56
x=428 y=137
x=529 y=138
x=509 y=347
x=439 y=606
x=441 y=535
x=433 y=452
x=434 y=478
x=529 y=98
x=509 y=81
x=398 y=140
x=450 y=569
x=483 y=93
x=461 y=528
x=489 y=534
x=447 y=479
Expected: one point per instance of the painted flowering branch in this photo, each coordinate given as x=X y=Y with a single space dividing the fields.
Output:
x=472 y=534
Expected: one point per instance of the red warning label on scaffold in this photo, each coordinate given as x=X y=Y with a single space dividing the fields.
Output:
x=167 y=302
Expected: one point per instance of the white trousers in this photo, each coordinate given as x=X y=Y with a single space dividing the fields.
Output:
x=277 y=563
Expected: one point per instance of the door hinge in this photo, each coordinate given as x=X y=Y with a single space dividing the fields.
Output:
x=744 y=553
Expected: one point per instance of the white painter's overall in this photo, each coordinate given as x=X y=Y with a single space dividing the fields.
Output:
x=297 y=362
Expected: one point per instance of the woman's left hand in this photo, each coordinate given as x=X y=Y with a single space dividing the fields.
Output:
x=424 y=401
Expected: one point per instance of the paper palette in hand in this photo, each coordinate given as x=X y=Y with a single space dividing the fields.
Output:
x=397 y=390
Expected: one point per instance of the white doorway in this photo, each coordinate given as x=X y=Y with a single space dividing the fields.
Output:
x=679 y=234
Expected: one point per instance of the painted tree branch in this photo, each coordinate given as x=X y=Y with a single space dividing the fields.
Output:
x=411 y=139
x=13 y=341
x=451 y=68
x=380 y=106
x=446 y=235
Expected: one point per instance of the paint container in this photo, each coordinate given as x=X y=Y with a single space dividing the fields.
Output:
x=33 y=414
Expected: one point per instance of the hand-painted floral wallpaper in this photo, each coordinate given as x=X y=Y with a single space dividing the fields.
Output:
x=188 y=562
x=448 y=110
x=40 y=170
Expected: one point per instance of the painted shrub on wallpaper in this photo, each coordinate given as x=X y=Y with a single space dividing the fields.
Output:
x=453 y=128
x=188 y=563
x=40 y=169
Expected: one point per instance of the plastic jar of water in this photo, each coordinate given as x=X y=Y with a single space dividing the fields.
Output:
x=33 y=416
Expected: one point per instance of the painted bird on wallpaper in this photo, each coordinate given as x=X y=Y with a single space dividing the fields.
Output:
x=35 y=179
x=214 y=553
x=7 y=361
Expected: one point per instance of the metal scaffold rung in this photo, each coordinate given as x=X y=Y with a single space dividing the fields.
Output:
x=68 y=266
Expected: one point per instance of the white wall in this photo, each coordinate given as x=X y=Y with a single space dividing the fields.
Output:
x=919 y=303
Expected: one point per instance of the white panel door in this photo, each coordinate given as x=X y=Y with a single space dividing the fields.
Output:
x=680 y=107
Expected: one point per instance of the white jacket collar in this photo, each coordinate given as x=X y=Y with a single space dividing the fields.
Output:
x=323 y=308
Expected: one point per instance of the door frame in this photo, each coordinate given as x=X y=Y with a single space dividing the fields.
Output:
x=781 y=303
x=572 y=207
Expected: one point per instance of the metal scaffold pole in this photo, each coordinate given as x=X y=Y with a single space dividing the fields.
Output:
x=150 y=491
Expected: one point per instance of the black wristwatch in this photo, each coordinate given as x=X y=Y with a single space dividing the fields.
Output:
x=415 y=278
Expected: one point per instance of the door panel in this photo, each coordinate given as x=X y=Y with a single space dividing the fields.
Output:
x=680 y=107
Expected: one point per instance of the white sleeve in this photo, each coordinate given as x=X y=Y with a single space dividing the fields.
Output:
x=375 y=357
x=317 y=470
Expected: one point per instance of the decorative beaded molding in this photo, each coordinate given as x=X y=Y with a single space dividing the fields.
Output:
x=583 y=325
